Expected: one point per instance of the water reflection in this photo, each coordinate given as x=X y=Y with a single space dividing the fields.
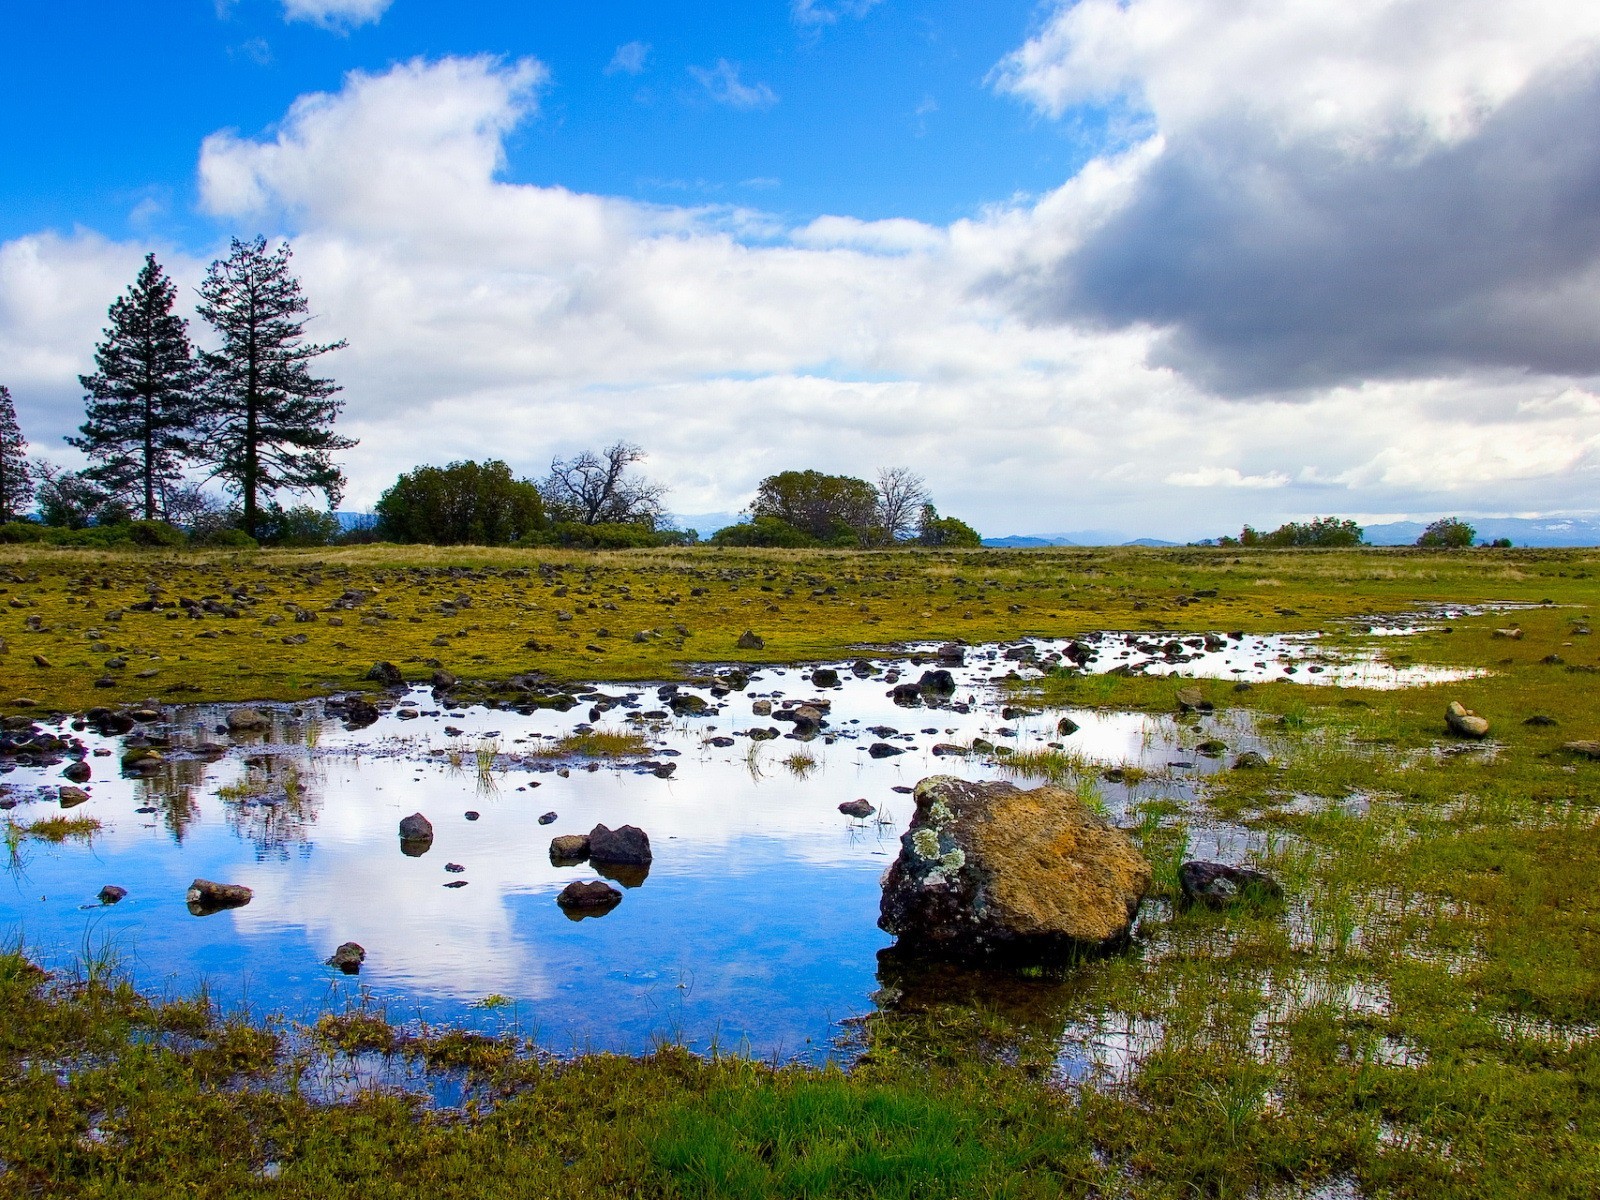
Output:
x=755 y=923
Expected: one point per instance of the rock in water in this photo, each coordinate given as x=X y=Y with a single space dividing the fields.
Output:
x=988 y=868
x=627 y=844
x=857 y=808
x=78 y=772
x=1463 y=722
x=348 y=958
x=242 y=719
x=205 y=897
x=590 y=899
x=111 y=894
x=569 y=848
x=71 y=797
x=825 y=677
x=416 y=828
x=1218 y=885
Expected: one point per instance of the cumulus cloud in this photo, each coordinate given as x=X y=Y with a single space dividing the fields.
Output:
x=629 y=59
x=722 y=84
x=1334 y=193
x=492 y=318
x=335 y=14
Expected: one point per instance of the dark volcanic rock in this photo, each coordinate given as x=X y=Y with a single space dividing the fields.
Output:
x=1217 y=885
x=588 y=899
x=627 y=844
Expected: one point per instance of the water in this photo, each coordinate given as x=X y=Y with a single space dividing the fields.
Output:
x=755 y=927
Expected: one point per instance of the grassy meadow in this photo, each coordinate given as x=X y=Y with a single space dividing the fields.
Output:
x=1418 y=1017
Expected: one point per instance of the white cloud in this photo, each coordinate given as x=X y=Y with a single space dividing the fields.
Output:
x=722 y=84
x=335 y=14
x=1228 y=477
x=492 y=318
x=629 y=58
x=821 y=12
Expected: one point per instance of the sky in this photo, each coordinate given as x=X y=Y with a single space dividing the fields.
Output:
x=1156 y=266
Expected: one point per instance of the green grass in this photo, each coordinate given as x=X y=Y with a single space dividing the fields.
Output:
x=1418 y=1018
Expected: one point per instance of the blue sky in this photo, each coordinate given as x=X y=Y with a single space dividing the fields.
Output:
x=878 y=113
x=1157 y=266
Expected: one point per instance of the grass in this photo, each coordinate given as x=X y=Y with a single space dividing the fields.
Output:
x=594 y=743
x=86 y=599
x=56 y=830
x=1417 y=1019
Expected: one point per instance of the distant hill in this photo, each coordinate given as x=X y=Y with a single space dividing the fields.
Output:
x=705 y=524
x=1150 y=542
x=1523 y=531
x=1017 y=542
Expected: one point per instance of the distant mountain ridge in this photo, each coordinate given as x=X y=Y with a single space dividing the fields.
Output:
x=1523 y=531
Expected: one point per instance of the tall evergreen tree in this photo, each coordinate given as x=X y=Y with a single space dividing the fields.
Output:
x=268 y=418
x=141 y=404
x=16 y=475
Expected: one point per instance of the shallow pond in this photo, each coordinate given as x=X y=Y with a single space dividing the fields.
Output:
x=755 y=926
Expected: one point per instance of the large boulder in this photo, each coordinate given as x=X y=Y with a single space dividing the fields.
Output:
x=988 y=868
x=205 y=897
x=1463 y=722
x=627 y=844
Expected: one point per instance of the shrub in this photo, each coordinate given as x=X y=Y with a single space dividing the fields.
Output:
x=465 y=503
x=155 y=533
x=1448 y=533
x=16 y=532
x=226 y=539
x=763 y=531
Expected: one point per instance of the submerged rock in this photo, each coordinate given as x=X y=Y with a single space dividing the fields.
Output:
x=112 y=894
x=245 y=719
x=1217 y=885
x=588 y=899
x=988 y=868
x=348 y=958
x=1463 y=722
x=205 y=897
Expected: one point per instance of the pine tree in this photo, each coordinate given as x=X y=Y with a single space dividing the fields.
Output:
x=141 y=404
x=267 y=418
x=16 y=476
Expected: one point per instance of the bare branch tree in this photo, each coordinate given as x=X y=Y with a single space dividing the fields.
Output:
x=595 y=489
x=901 y=495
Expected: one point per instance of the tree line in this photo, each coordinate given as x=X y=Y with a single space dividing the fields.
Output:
x=251 y=413
x=255 y=416
x=1447 y=533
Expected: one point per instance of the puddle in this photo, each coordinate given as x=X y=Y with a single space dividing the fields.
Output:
x=754 y=928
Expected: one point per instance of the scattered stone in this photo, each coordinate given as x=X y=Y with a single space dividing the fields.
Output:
x=456 y=883
x=825 y=677
x=77 y=771
x=749 y=640
x=1192 y=699
x=1585 y=748
x=470 y=815
x=444 y=681
x=569 y=848
x=548 y=818
x=591 y=898
x=952 y=654
x=1250 y=760
x=205 y=897
x=626 y=844
x=1541 y=720
x=1066 y=727
x=416 y=828
x=40 y=660
x=71 y=797
x=244 y=719
x=454 y=868
x=987 y=867
x=112 y=894
x=857 y=808
x=1212 y=748
x=939 y=683
x=1217 y=885
x=884 y=750
x=1514 y=633
x=385 y=673
x=348 y=958
x=1463 y=722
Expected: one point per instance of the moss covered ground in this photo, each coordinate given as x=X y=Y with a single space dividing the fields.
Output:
x=1418 y=1017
